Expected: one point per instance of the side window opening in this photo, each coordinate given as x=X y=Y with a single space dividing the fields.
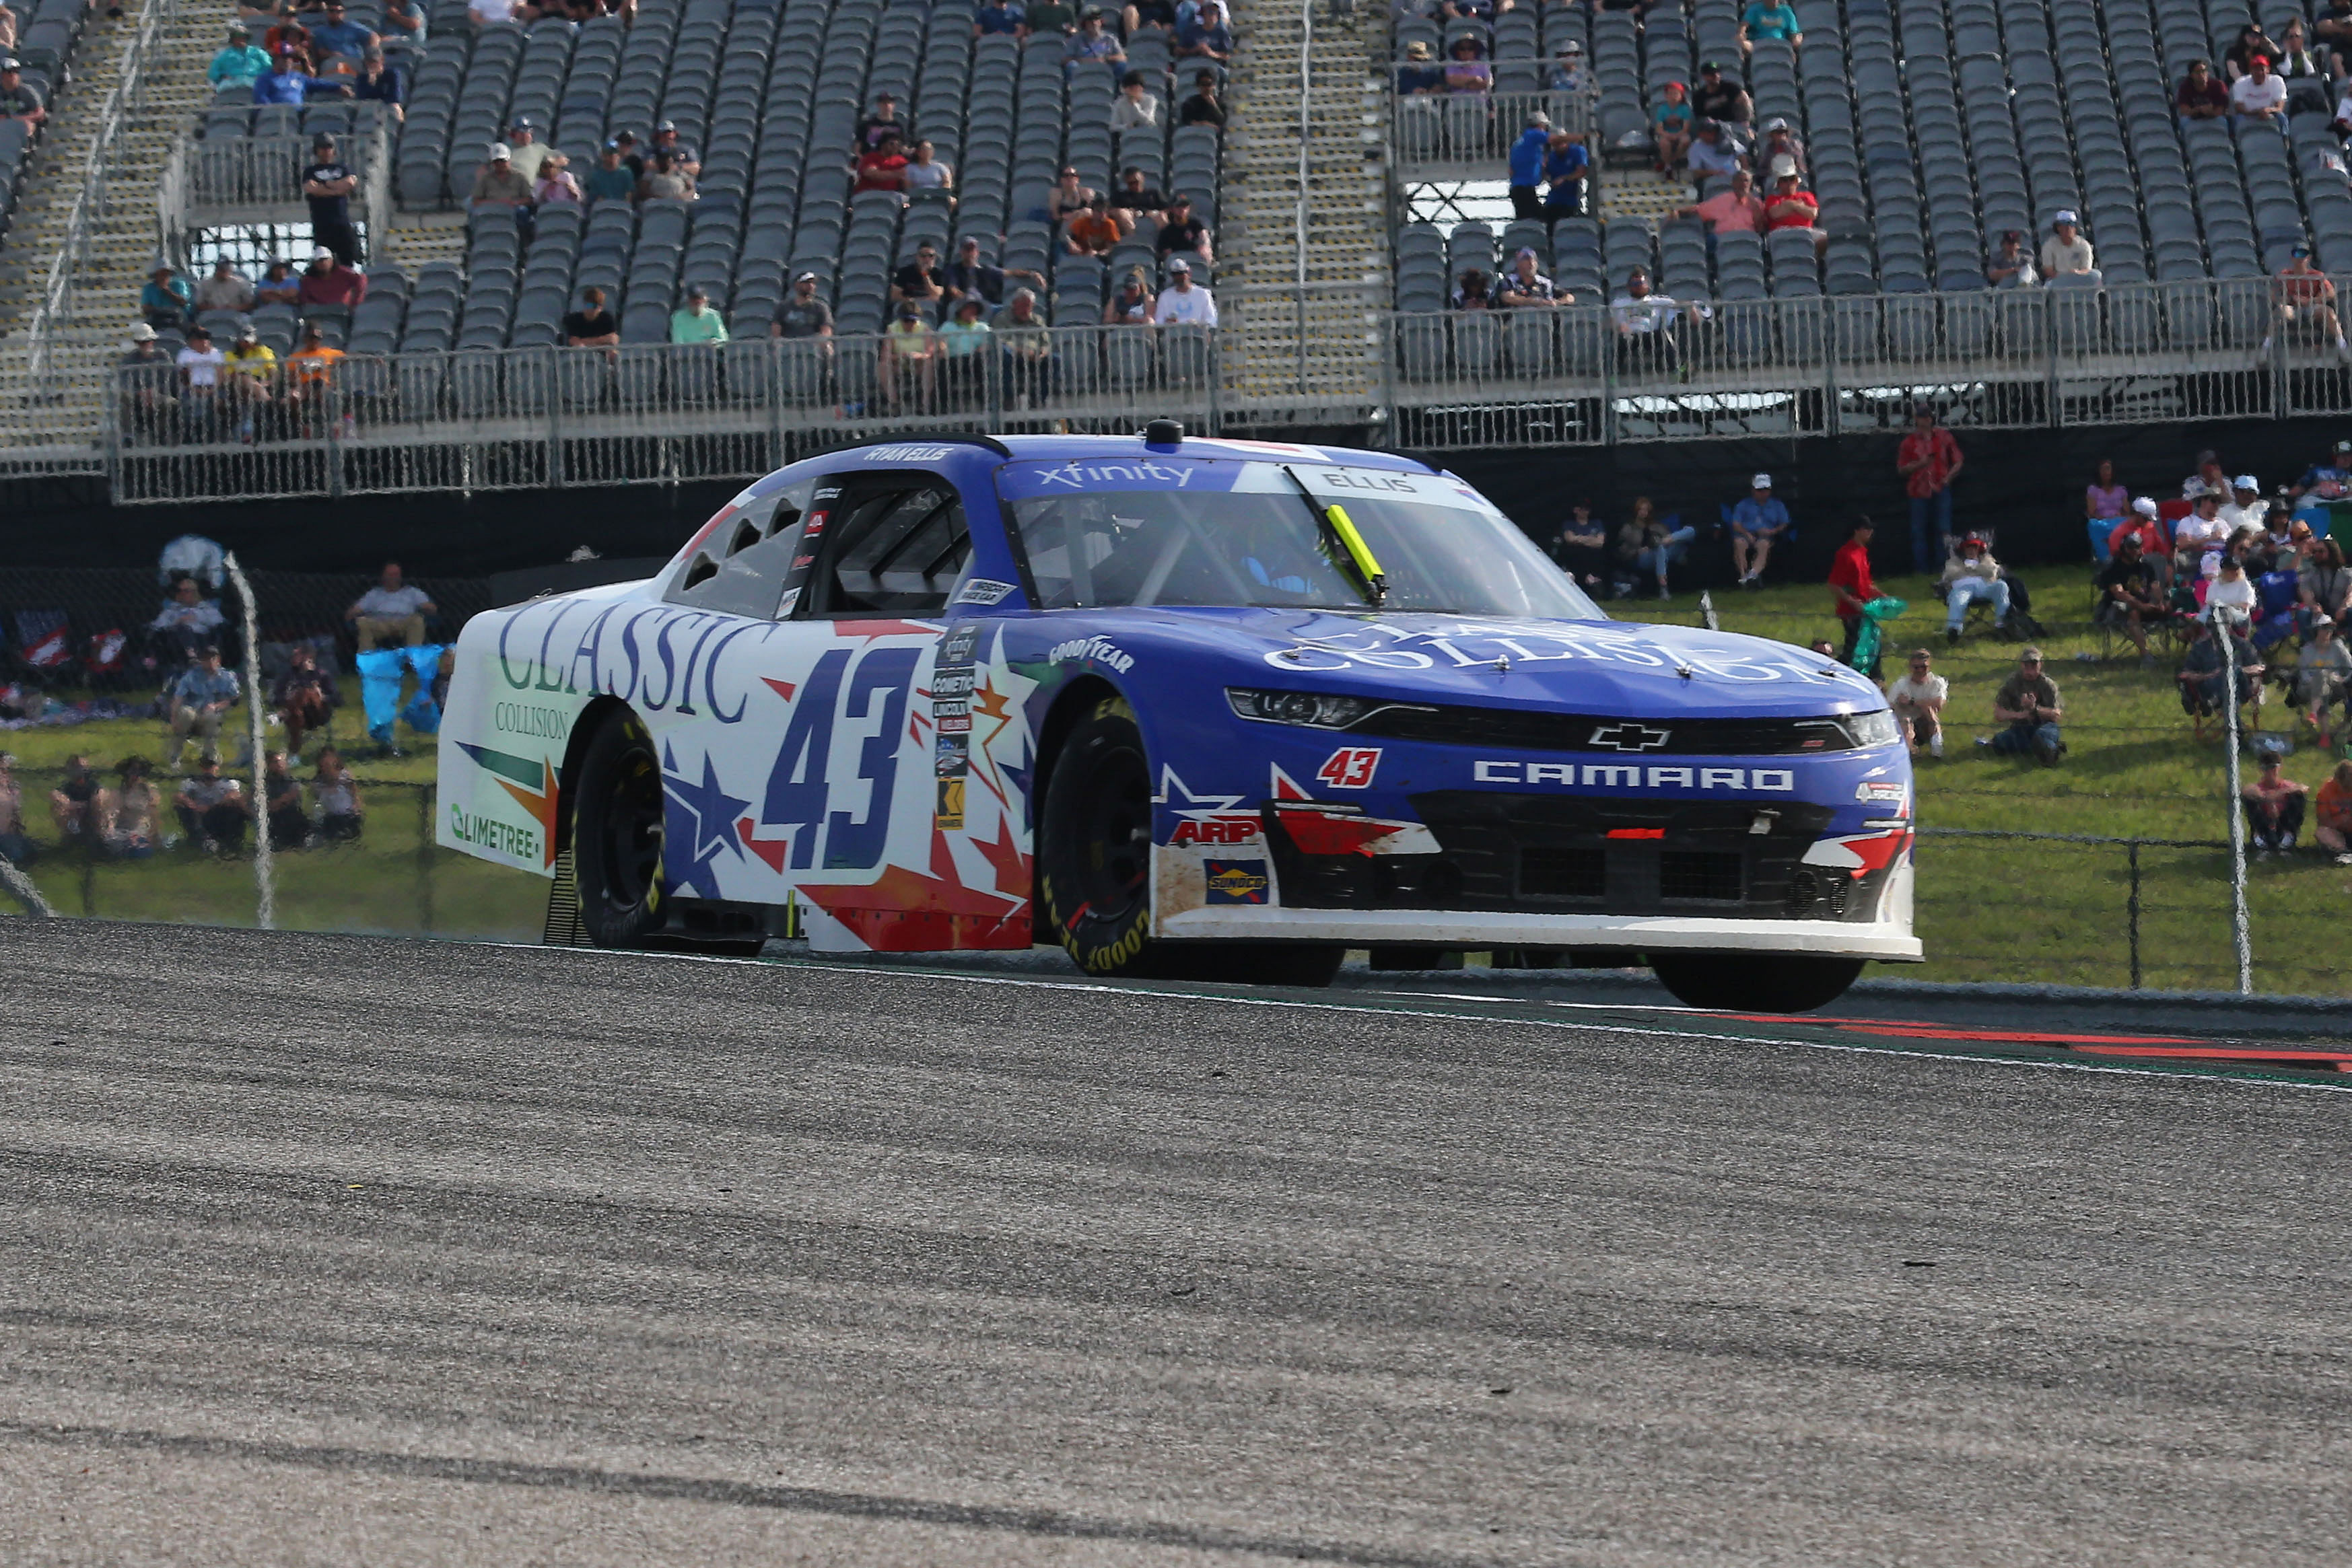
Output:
x=897 y=553
x=743 y=570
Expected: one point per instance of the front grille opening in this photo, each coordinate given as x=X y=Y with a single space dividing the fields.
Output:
x=1713 y=876
x=1566 y=873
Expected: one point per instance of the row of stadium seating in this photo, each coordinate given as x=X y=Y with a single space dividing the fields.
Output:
x=46 y=34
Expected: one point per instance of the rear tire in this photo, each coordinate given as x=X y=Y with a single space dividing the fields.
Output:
x=1754 y=982
x=1093 y=871
x=616 y=835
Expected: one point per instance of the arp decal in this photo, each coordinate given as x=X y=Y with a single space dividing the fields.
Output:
x=1351 y=768
x=1235 y=882
x=1207 y=819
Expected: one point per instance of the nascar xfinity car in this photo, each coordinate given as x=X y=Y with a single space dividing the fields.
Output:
x=1187 y=707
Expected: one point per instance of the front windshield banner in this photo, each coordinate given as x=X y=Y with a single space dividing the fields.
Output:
x=1199 y=532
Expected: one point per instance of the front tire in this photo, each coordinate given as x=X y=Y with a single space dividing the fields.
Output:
x=1093 y=871
x=1754 y=982
x=616 y=835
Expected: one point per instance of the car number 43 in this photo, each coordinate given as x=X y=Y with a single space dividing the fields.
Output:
x=1351 y=768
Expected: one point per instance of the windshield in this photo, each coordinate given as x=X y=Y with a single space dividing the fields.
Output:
x=1199 y=532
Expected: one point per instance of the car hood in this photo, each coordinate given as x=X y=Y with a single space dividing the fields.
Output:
x=1579 y=666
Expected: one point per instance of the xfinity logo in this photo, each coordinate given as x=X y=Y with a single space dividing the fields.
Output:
x=1628 y=738
x=1625 y=776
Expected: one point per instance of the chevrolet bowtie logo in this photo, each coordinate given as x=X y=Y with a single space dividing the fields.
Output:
x=1628 y=738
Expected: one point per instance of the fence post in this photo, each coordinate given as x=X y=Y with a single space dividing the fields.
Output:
x=2131 y=906
x=425 y=795
x=264 y=868
x=2219 y=617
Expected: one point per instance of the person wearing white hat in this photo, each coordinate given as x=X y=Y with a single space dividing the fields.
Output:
x=1758 y=523
x=147 y=381
x=1567 y=73
x=1184 y=303
x=2144 y=525
x=2246 y=508
x=2066 y=253
x=500 y=181
x=1789 y=205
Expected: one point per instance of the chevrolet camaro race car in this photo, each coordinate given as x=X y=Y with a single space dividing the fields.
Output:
x=1188 y=707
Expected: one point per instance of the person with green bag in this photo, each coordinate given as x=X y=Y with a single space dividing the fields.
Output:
x=1860 y=606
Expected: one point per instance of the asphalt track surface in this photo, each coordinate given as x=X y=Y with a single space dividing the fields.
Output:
x=343 y=1250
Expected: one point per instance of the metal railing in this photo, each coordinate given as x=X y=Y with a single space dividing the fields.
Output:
x=1473 y=132
x=513 y=418
x=247 y=171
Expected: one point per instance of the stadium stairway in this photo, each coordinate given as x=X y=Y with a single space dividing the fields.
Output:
x=1326 y=355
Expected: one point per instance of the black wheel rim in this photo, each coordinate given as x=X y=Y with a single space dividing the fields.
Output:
x=1115 y=842
x=633 y=831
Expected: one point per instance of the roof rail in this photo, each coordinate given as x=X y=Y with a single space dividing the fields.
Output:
x=967 y=437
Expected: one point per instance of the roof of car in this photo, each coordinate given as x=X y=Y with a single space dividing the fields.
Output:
x=1099 y=447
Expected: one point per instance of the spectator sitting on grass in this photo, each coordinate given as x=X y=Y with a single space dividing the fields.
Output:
x=2230 y=590
x=2322 y=583
x=133 y=812
x=304 y=697
x=15 y=844
x=1661 y=546
x=1918 y=697
x=2128 y=595
x=2324 y=482
x=2145 y=524
x=1582 y=545
x=2274 y=807
x=213 y=809
x=74 y=806
x=187 y=622
x=2027 y=703
x=195 y=701
x=1971 y=574
x=2245 y=508
x=2210 y=476
x=2198 y=538
x=2204 y=682
x=2323 y=676
x=1758 y=523
x=2334 y=804
x=394 y=609
x=338 y=797
x=2106 y=503
x=282 y=801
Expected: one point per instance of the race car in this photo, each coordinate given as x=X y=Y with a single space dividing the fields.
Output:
x=1188 y=707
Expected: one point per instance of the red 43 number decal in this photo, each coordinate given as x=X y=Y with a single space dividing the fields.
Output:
x=1351 y=768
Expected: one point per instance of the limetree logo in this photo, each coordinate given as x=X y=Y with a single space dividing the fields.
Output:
x=532 y=784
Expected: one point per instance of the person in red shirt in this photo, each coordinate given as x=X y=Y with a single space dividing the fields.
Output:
x=1851 y=587
x=327 y=281
x=1791 y=206
x=884 y=168
x=1927 y=461
x=2146 y=525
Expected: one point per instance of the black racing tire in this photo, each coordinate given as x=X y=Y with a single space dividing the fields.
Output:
x=1754 y=982
x=616 y=835
x=1093 y=871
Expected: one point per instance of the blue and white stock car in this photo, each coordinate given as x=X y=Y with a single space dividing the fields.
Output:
x=1188 y=707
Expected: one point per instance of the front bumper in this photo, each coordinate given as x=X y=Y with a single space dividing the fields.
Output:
x=1888 y=942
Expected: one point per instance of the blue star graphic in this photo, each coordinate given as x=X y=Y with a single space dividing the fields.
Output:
x=708 y=815
x=1021 y=775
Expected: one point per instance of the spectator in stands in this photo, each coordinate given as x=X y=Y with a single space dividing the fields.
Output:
x=489 y=13
x=377 y=82
x=962 y=337
x=1202 y=108
x=2011 y=267
x=2200 y=96
x=1524 y=286
x=556 y=183
x=74 y=803
x=327 y=185
x=1466 y=70
x=1147 y=14
x=147 y=380
x=1180 y=230
x=2300 y=67
x=882 y=167
x=1779 y=143
x=1567 y=73
x=239 y=62
x=525 y=150
x=405 y=18
x=2334 y=35
x=1733 y=211
x=1773 y=19
x=2324 y=584
x=919 y=279
x=327 y=281
x=1526 y=162
x=392 y=610
x=1971 y=574
x=1067 y=198
x=1205 y=33
x=1851 y=586
x=2027 y=703
x=498 y=181
x=200 y=374
x=633 y=157
x=2303 y=303
x=1184 y=303
x=2259 y=98
x=194 y=702
x=2334 y=829
x=164 y=301
x=1670 y=126
x=19 y=99
x=1028 y=351
x=279 y=285
x=2067 y=253
x=1918 y=697
x=2323 y=675
x=2106 y=504
x=1759 y=522
x=926 y=172
x=1051 y=16
x=696 y=321
x=666 y=180
x=1789 y=205
x=2324 y=482
x=213 y=809
x=1131 y=305
x=968 y=277
x=2204 y=684
x=1005 y=16
x=1091 y=45
x=311 y=373
x=15 y=844
x=2129 y=597
x=1582 y=546
x=288 y=36
x=1137 y=198
x=2246 y=510
x=1646 y=322
x=336 y=794
x=803 y=313
x=1136 y=108
x=1927 y=461
x=1721 y=99
x=611 y=180
x=1566 y=164
x=7 y=31
x=2210 y=476
x=1714 y=154
x=1472 y=292
x=2198 y=538
x=1094 y=229
x=592 y=326
x=187 y=624
x=225 y=290
x=252 y=376
x=684 y=155
x=909 y=359
x=285 y=83
x=336 y=35
x=2273 y=806
x=1420 y=76
x=2230 y=590
x=2253 y=43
